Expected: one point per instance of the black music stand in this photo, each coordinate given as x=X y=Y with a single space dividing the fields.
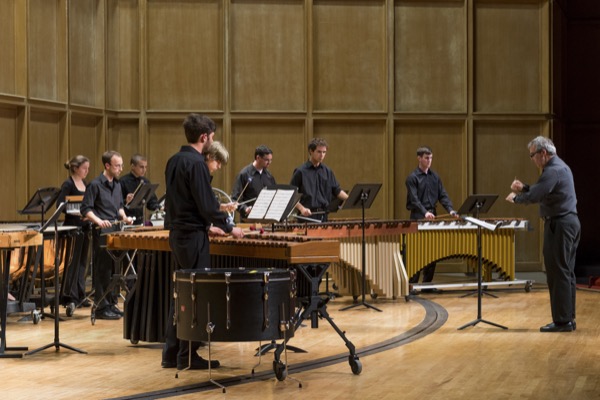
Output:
x=141 y=197
x=56 y=343
x=39 y=203
x=362 y=196
x=274 y=204
x=477 y=204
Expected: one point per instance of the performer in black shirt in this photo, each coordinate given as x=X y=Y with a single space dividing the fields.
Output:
x=555 y=193
x=252 y=179
x=74 y=279
x=316 y=182
x=424 y=190
x=192 y=212
x=129 y=184
x=103 y=205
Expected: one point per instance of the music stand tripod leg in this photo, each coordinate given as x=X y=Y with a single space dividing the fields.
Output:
x=56 y=343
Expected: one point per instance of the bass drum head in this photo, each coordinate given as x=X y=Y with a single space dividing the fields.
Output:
x=244 y=305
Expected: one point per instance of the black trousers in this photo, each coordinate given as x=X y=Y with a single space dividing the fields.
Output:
x=561 y=238
x=104 y=268
x=191 y=251
x=74 y=277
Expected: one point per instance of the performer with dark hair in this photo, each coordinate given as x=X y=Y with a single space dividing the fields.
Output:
x=424 y=189
x=192 y=211
x=74 y=279
x=317 y=183
x=103 y=205
x=131 y=181
x=252 y=179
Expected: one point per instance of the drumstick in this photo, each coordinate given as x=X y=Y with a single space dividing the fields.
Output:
x=244 y=189
x=247 y=201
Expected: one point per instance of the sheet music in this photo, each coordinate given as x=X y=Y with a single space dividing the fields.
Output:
x=260 y=207
x=279 y=204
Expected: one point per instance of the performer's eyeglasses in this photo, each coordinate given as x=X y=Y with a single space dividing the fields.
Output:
x=534 y=153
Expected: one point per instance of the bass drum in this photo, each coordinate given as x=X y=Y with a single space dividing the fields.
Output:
x=244 y=305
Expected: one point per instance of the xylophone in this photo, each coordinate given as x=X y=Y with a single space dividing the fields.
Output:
x=10 y=240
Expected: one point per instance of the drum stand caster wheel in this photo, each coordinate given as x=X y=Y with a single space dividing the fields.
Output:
x=280 y=370
x=355 y=364
x=134 y=341
x=70 y=309
x=35 y=317
x=93 y=315
x=528 y=286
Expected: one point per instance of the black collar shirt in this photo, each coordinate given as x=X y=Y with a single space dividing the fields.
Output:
x=424 y=191
x=104 y=198
x=190 y=202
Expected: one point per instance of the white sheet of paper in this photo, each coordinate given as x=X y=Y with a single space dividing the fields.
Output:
x=262 y=203
x=278 y=205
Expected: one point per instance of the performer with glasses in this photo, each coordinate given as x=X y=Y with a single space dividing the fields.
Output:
x=103 y=205
x=252 y=179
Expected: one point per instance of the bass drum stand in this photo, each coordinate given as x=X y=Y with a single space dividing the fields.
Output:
x=314 y=306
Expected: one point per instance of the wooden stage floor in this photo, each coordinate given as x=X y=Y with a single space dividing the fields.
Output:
x=410 y=350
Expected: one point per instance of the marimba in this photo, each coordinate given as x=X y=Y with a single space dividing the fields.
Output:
x=9 y=240
x=385 y=272
x=147 y=305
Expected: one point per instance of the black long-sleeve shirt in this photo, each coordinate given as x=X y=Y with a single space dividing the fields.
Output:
x=190 y=202
x=259 y=180
x=424 y=191
x=69 y=188
x=317 y=185
x=129 y=183
x=554 y=190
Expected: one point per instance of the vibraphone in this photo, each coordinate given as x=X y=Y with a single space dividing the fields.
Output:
x=441 y=240
x=388 y=265
x=147 y=305
x=10 y=240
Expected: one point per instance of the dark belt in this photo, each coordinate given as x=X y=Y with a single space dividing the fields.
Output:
x=555 y=217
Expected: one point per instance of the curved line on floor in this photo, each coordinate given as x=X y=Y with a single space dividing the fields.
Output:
x=435 y=317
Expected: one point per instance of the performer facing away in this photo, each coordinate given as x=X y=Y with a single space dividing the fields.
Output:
x=316 y=182
x=191 y=210
x=103 y=205
x=74 y=281
x=129 y=184
x=424 y=190
x=252 y=179
x=555 y=192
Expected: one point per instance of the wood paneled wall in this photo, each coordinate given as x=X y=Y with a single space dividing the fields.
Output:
x=375 y=78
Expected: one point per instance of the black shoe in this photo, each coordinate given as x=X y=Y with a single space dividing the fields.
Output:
x=86 y=303
x=198 y=363
x=116 y=310
x=434 y=290
x=554 y=327
x=106 y=313
x=168 y=364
